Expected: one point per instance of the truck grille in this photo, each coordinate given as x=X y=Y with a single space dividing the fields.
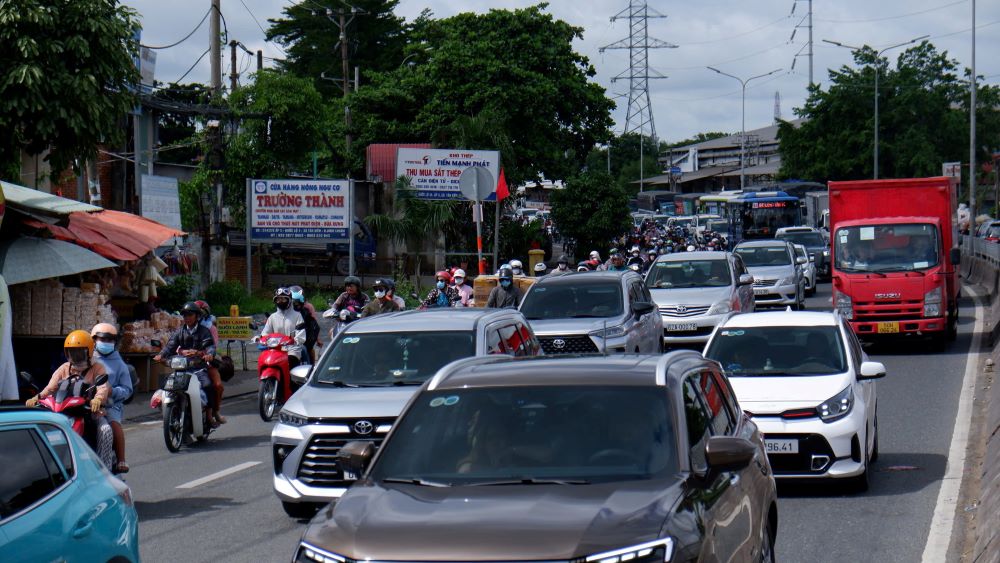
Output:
x=888 y=310
x=569 y=344
x=681 y=311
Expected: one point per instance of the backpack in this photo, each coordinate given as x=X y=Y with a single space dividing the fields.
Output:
x=135 y=381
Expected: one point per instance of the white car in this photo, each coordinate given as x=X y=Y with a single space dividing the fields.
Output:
x=808 y=268
x=806 y=382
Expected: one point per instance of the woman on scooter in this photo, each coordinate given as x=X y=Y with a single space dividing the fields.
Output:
x=119 y=379
x=193 y=339
x=286 y=320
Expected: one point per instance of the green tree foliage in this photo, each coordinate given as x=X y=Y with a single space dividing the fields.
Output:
x=311 y=40
x=923 y=119
x=517 y=66
x=592 y=210
x=177 y=132
x=66 y=73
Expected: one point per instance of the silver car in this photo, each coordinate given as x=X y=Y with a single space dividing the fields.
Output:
x=777 y=277
x=363 y=381
x=591 y=312
x=808 y=269
x=696 y=291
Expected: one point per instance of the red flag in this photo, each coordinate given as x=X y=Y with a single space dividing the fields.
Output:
x=502 y=190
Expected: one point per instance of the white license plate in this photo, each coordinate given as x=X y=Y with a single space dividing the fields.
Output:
x=761 y=291
x=781 y=446
x=678 y=327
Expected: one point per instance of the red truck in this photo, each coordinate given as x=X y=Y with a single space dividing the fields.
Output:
x=895 y=256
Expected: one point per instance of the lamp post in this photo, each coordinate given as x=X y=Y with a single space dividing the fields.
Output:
x=743 y=115
x=877 y=57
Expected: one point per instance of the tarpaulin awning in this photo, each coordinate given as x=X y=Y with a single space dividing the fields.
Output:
x=380 y=160
x=24 y=259
x=136 y=234
x=20 y=197
x=85 y=238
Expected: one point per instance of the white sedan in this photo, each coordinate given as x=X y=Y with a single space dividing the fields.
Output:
x=808 y=385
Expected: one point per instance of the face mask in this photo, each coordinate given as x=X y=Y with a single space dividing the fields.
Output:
x=283 y=305
x=505 y=283
x=459 y=281
x=563 y=267
x=517 y=271
x=379 y=294
x=440 y=285
x=207 y=323
x=105 y=347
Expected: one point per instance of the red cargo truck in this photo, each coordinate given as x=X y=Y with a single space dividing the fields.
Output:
x=895 y=256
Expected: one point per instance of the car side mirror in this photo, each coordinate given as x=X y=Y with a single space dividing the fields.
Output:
x=300 y=374
x=729 y=453
x=746 y=279
x=872 y=370
x=354 y=457
x=640 y=308
x=800 y=260
x=956 y=256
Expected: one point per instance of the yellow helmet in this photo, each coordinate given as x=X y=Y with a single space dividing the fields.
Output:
x=79 y=339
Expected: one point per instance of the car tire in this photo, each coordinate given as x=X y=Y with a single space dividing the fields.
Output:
x=861 y=483
x=874 y=455
x=767 y=545
x=300 y=510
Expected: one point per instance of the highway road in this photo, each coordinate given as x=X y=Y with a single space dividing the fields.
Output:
x=213 y=502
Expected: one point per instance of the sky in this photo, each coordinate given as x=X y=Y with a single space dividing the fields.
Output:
x=739 y=37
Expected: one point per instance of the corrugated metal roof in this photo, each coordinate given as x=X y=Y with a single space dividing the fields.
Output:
x=767 y=135
x=768 y=168
x=28 y=199
x=380 y=159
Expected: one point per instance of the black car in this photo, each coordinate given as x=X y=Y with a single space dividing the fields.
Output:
x=574 y=459
x=816 y=245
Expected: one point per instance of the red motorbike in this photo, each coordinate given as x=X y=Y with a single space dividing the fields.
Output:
x=73 y=400
x=274 y=372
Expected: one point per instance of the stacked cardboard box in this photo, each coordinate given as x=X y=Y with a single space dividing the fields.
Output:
x=70 y=309
x=20 y=296
x=46 y=308
x=483 y=285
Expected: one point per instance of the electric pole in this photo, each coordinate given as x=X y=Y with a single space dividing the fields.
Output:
x=215 y=49
x=232 y=63
x=213 y=255
x=343 y=21
x=972 y=127
x=260 y=60
x=807 y=22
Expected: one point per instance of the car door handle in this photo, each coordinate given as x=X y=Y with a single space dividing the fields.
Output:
x=735 y=479
x=82 y=531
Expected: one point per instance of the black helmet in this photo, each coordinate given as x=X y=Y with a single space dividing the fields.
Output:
x=352 y=280
x=380 y=283
x=282 y=292
x=506 y=273
x=562 y=259
x=191 y=307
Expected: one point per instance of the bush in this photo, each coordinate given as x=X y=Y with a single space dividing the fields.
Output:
x=220 y=295
x=177 y=292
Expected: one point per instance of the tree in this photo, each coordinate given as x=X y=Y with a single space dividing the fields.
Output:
x=177 y=132
x=67 y=78
x=592 y=210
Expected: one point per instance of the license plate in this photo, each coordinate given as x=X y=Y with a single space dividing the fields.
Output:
x=781 y=446
x=888 y=327
x=678 y=327
x=761 y=291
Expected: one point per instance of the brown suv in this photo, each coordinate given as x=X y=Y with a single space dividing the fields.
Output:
x=622 y=458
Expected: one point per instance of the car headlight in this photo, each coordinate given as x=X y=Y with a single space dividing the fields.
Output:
x=656 y=550
x=309 y=552
x=292 y=419
x=610 y=332
x=838 y=406
x=720 y=308
x=790 y=280
x=179 y=363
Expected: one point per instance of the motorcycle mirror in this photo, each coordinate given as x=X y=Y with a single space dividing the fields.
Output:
x=101 y=380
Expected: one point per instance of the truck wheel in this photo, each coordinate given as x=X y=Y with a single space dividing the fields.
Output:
x=952 y=329
x=343 y=264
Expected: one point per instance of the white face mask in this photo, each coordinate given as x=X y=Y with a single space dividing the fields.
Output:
x=380 y=294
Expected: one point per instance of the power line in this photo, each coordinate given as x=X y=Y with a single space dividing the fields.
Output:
x=256 y=21
x=897 y=16
x=731 y=37
x=183 y=76
x=748 y=56
x=186 y=37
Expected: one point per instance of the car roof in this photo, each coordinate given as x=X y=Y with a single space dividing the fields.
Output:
x=782 y=318
x=697 y=255
x=784 y=230
x=28 y=415
x=761 y=243
x=618 y=369
x=444 y=319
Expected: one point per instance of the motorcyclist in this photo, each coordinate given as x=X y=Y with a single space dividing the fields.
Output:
x=105 y=337
x=444 y=294
x=382 y=303
x=617 y=263
x=352 y=298
x=541 y=269
x=635 y=258
x=79 y=349
x=208 y=321
x=517 y=267
x=308 y=313
x=390 y=287
x=194 y=340
x=562 y=265
x=463 y=290
x=286 y=320
x=506 y=294
x=651 y=259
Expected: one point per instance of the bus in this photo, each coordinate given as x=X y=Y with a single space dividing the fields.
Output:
x=716 y=203
x=687 y=204
x=758 y=215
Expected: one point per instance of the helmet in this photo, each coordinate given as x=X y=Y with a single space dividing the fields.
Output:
x=690 y=248
x=352 y=280
x=594 y=255
x=443 y=274
x=540 y=267
x=506 y=273
x=459 y=273
x=380 y=283
x=651 y=252
x=204 y=307
x=516 y=265
x=104 y=330
x=79 y=339
x=562 y=259
x=192 y=307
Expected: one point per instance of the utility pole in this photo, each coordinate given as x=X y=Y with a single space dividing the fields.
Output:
x=260 y=60
x=215 y=48
x=806 y=22
x=343 y=22
x=213 y=255
x=972 y=123
x=232 y=63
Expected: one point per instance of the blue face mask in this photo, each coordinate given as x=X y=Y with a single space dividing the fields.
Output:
x=505 y=283
x=207 y=323
x=105 y=347
x=440 y=285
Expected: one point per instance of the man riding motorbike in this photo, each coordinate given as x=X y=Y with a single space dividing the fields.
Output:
x=506 y=295
x=193 y=339
x=383 y=302
x=105 y=337
x=286 y=320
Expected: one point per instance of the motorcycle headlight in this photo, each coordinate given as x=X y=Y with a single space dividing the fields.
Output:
x=610 y=332
x=273 y=342
x=179 y=363
x=656 y=550
x=838 y=406
x=292 y=419
x=720 y=308
x=168 y=385
x=826 y=254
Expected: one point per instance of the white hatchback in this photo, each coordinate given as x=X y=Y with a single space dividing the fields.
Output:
x=806 y=382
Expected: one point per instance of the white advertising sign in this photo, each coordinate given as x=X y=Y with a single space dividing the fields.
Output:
x=160 y=201
x=299 y=210
x=434 y=173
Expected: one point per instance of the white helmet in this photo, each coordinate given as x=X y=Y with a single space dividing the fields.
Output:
x=594 y=255
x=459 y=273
x=690 y=248
x=516 y=264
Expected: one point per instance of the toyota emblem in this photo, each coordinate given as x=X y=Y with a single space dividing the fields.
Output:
x=682 y=309
x=558 y=343
x=363 y=427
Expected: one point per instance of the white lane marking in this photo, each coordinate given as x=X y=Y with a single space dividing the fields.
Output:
x=218 y=475
x=151 y=422
x=943 y=522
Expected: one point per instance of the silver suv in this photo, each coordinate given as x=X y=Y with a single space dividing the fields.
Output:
x=592 y=312
x=363 y=381
x=777 y=277
x=695 y=291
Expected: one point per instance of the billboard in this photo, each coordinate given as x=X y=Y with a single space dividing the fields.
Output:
x=316 y=211
x=160 y=201
x=434 y=173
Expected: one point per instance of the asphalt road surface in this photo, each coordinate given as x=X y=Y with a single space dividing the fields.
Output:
x=213 y=501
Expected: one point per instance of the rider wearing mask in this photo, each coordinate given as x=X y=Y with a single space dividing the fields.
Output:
x=193 y=339
x=443 y=295
x=562 y=265
x=636 y=258
x=286 y=320
x=119 y=379
x=463 y=290
x=308 y=313
x=506 y=294
x=540 y=269
x=352 y=298
x=617 y=263
x=383 y=302
x=517 y=267
x=79 y=350
x=208 y=321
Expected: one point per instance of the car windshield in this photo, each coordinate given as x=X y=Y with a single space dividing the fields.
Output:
x=886 y=248
x=531 y=434
x=764 y=256
x=689 y=273
x=807 y=239
x=683 y=222
x=391 y=358
x=573 y=301
x=779 y=351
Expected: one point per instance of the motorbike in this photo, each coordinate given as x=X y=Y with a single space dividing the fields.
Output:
x=183 y=402
x=274 y=372
x=343 y=318
x=72 y=399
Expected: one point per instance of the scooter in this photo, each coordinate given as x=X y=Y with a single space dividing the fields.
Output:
x=72 y=399
x=183 y=402
x=342 y=318
x=274 y=372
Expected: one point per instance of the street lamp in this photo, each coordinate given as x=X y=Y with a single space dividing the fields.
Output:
x=877 y=57
x=743 y=117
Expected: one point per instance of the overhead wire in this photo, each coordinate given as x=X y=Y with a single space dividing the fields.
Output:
x=186 y=37
x=731 y=37
x=896 y=17
x=183 y=76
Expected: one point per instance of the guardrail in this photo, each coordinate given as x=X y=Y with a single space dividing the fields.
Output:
x=981 y=265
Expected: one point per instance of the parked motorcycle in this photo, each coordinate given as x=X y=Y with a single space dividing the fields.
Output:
x=183 y=402
x=72 y=399
x=274 y=372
